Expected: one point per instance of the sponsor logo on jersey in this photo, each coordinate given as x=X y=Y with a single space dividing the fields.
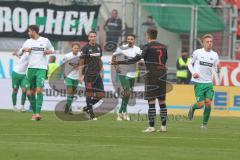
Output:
x=37 y=49
x=206 y=64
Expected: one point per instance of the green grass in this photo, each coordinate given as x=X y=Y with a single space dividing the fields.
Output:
x=106 y=139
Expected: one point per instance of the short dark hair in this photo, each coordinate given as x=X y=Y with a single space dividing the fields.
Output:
x=184 y=50
x=115 y=10
x=92 y=32
x=151 y=17
x=53 y=58
x=152 y=33
x=131 y=35
x=34 y=28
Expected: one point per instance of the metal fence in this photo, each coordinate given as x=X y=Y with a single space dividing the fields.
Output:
x=224 y=41
x=133 y=15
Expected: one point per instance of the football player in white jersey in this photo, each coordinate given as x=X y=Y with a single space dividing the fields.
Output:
x=204 y=62
x=126 y=73
x=19 y=79
x=71 y=79
x=38 y=47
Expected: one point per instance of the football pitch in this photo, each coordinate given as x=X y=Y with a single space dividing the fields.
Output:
x=107 y=139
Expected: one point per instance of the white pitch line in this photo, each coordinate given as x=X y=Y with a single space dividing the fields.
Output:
x=59 y=144
x=90 y=145
x=149 y=134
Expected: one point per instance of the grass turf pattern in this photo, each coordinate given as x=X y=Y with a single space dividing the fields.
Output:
x=108 y=139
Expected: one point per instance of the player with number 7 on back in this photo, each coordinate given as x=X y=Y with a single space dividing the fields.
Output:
x=155 y=58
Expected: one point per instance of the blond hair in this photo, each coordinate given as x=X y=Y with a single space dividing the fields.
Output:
x=76 y=44
x=207 y=36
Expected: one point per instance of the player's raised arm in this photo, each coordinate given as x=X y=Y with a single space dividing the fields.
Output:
x=133 y=60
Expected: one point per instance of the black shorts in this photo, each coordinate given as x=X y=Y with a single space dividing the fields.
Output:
x=155 y=86
x=94 y=86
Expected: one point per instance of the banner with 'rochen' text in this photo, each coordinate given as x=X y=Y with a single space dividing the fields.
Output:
x=61 y=23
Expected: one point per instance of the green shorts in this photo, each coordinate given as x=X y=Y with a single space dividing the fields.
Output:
x=71 y=82
x=126 y=82
x=203 y=91
x=36 y=77
x=19 y=80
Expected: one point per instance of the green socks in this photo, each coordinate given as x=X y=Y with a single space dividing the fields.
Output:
x=69 y=101
x=14 y=98
x=23 y=98
x=33 y=103
x=36 y=104
x=123 y=108
x=195 y=106
x=206 y=114
x=39 y=103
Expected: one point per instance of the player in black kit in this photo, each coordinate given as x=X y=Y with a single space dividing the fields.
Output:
x=91 y=72
x=155 y=57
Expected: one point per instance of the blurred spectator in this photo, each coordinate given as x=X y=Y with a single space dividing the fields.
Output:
x=183 y=75
x=52 y=66
x=113 y=27
x=238 y=30
x=149 y=23
x=213 y=2
x=233 y=2
x=238 y=25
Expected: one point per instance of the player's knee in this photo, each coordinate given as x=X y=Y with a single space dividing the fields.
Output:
x=70 y=94
x=15 y=90
x=24 y=90
x=70 y=91
x=207 y=103
x=126 y=93
x=39 y=90
x=32 y=92
x=89 y=93
x=151 y=101
x=161 y=102
x=200 y=104
x=28 y=93
x=100 y=95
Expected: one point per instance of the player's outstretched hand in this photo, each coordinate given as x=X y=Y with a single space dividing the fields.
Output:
x=26 y=50
x=14 y=53
x=113 y=62
x=47 y=51
x=195 y=75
